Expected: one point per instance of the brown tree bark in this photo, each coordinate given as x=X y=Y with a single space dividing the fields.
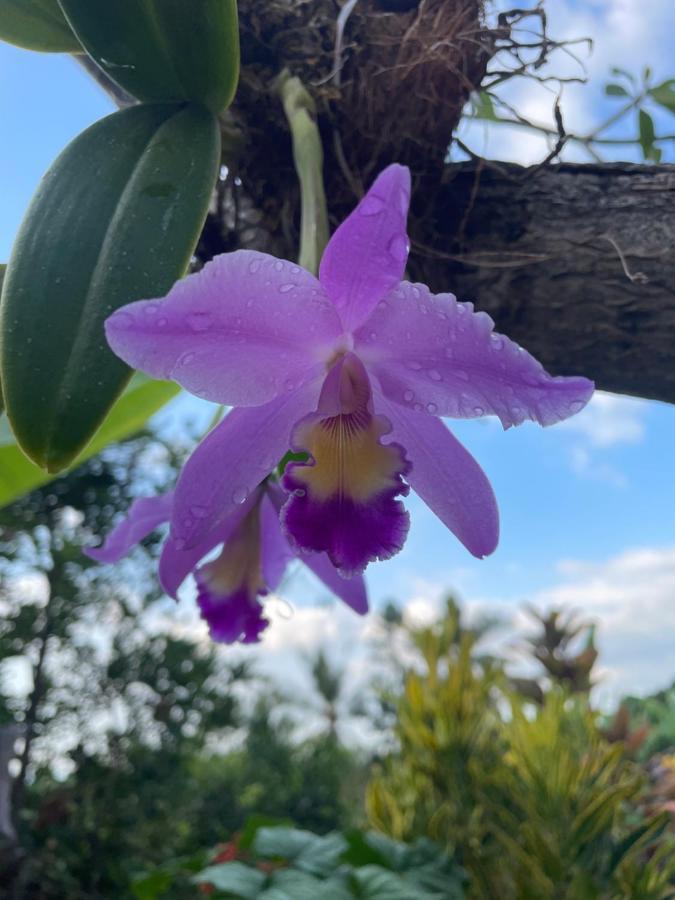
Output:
x=575 y=262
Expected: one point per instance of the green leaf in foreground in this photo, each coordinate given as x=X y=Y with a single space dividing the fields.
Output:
x=36 y=25
x=234 y=878
x=115 y=219
x=163 y=50
x=143 y=397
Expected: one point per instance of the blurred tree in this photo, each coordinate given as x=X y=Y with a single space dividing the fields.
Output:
x=533 y=801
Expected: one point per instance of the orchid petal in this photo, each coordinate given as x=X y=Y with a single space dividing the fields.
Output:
x=145 y=514
x=446 y=477
x=343 y=499
x=367 y=255
x=276 y=552
x=351 y=590
x=176 y=564
x=243 y=330
x=435 y=355
x=232 y=460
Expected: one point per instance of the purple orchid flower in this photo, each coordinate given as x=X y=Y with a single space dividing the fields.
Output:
x=330 y=367
x=251 y=563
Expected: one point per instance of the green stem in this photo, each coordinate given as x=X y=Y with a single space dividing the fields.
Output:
x=308 y=157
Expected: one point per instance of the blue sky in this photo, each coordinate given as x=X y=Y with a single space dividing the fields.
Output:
x=587 y=508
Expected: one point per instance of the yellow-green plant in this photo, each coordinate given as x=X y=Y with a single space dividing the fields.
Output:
x=532 y=799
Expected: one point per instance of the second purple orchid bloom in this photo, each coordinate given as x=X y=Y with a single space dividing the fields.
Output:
x=353 y=369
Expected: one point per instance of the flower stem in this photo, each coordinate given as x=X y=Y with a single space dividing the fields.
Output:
x=300 y=112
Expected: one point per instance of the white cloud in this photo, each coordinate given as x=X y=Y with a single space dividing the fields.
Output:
x=630 y=596
x=609 y=419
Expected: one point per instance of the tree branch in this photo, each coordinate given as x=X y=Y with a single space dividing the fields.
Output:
x=576 y=262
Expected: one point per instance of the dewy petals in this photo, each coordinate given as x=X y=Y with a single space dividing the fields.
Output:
x=344 y=501
x=336 y=362
x=251 y=563
x=229 y=333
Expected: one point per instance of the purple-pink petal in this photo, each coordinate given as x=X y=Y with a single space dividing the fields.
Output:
x=176 y=564
x=143 y=517
x=352 y=534
x=243 y=330
x=446 y=477
x=232 y=460
x=236 y=617
x=367 y=255
x=351 y=590
x=275 y=551
x=432 y=354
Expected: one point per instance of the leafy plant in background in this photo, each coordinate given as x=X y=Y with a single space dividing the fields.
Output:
x=283 y=863
x=532 y=800
x=124 y=764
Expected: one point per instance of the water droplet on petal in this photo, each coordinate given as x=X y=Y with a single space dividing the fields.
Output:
x=239 y=495
x=373 y=335
x=418 y=407
x=123 y=320
x=295 y=270
x=382 y=305
x=151 y=309
x=497 y=342
x=200 y=321
x=162 y=322
x=254 y=266
x=576 y=406
x=479 y=410
x=461 y=374
x=409 y=396
x=432 y=408
x=371 y=206
x=435 y=375
x=289 y=384
x=180 y=544
x=186 y=359
x=199 y=512
x=285 y=288
x=398 y=247
x=414 y=365
x=279 y=266
x=300 y=492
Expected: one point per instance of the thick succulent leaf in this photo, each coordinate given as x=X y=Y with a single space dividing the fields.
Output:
x=36 y=25
x=163 y=50
x=143 y=397
x=115 y=219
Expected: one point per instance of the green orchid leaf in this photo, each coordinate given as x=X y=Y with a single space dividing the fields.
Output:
x=115 y=219
x=36 y=25
x=142 y=399
x=163 y=50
